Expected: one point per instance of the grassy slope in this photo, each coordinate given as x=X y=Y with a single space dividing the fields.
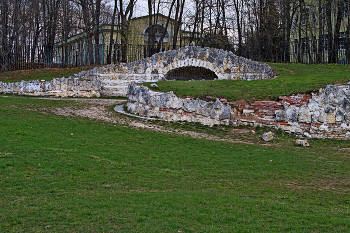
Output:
x=292 y=78
x=63 y=174
x=40 y=74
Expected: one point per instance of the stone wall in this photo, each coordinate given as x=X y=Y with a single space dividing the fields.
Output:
x=113 y=80
x=325 y=114
x=57 y=87
x=169 y=107
x=94 y=82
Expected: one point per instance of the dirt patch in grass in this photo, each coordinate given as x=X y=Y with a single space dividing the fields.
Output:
x=101 y=110
x=291 y=71
x=322 y=184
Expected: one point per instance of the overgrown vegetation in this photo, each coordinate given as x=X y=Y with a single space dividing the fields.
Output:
x=65 y=174
x=292 y=79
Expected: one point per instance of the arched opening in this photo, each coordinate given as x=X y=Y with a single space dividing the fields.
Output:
x=190 y=73
x=155 y=33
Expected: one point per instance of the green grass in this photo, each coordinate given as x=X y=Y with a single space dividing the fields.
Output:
x=73 y=175
x=40 y=74
x=292 y=79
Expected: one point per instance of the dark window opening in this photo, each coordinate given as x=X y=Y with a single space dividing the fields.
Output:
x=304 y=46
x=296 y=46
x=190 y=73
x=324 y=43
x=345 y=11
x=314 y=45
x=342 y=41
x=304 y=16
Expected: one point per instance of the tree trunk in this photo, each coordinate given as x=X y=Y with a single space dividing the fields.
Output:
x=96 y=23
x=178 y=21
x=166 y=26
x=36 y=31
x=347 y=48
x=329 y=30
x=110 y=48
x=320 y=33
x=239 y=30
x=151 y=36
x=125 y=17
x=340 y=9
x=195 y=24
x=4 y=50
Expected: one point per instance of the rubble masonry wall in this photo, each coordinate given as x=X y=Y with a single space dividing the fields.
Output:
x=325 y=114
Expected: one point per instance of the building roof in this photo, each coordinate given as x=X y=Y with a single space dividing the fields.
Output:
x=82 y=35
x=145 y=16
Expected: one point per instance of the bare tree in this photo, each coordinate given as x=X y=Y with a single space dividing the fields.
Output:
x=50 y=18
x=110 y=49
x=180 y=4
x=347 y=35
x=339 y=16
x=4 y=52
x=125 y=17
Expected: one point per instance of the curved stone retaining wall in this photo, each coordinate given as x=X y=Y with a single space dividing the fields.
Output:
x=168 y=106
x=322 y=115
x=113 y=80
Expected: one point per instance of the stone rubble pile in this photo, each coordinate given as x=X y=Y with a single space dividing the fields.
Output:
x=269 y=136
x=169 y=107
x=327 y=114
x=57 y=87
x=303 y=143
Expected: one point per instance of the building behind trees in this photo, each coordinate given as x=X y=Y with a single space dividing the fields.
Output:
x=55 y=33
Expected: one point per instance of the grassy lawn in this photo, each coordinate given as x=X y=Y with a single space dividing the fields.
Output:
x=292 y=79
x=64 y=174
x=40 y=74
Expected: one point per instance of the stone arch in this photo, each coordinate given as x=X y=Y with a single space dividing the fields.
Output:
x=224 y=64
x=167 y=36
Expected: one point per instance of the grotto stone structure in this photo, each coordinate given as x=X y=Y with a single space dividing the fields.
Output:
x=114 y=79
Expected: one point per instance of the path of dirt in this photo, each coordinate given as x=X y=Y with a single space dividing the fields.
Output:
x=101 y=109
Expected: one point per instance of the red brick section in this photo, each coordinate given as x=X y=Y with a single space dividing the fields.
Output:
x=297 y=100
x=264 y=111
x=261 y=108
x=267 y=109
